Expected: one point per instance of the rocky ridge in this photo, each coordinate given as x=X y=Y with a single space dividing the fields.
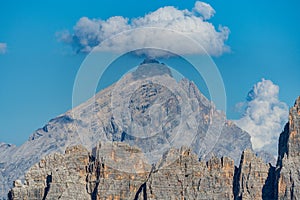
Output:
x=147 y=108
x=105 y=176
x=119 y=171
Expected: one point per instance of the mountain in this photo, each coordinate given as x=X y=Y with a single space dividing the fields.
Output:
x=288 y=162
x=119 y=171
x=148 y=109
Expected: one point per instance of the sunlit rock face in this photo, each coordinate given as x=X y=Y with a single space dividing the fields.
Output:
x=117 y=170
x=148 y=109
x=78 y=174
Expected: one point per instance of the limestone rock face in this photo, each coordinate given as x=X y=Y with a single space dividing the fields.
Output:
x=119 y=171
x=187 y=178
x=267 y=157
x=5 y=154
x=56 y=176
x=147 y=108
x=288 y=168
x=255 y=178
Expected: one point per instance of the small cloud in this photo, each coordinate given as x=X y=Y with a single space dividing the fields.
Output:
x=204 y=9
x=3 y=48
x=264 y=116
x=89 y=33
x=64 y=36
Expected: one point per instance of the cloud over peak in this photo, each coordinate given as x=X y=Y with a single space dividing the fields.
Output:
x=88 y=33
x=264 y=116
x=3 y=48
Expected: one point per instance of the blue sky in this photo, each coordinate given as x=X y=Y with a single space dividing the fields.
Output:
x=37 y=71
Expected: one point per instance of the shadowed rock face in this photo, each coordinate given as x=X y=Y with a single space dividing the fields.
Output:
x=288 y=164
x=255 y=179
x=146 y=108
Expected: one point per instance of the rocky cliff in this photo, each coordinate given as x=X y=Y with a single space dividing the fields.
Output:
x=120 y=171
x=57 y=176
x=147 y=108
x=288 y=165
x=254 y=178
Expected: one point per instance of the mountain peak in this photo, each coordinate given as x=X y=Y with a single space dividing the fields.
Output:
x=294 y=132
x=289 y=141
x=151 y=67
x=297 y=104
x=147 y=108
x=150 y=60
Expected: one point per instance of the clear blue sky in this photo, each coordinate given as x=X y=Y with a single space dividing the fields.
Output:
x=37 y=72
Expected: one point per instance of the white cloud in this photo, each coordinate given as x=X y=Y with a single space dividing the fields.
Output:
x=88 y=33
x=204 y=9
x=3 y=47
x=264 y=117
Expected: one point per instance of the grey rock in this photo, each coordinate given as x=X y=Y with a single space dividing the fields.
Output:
x=80 y=175
x=187 y=178
x=267 y=157
x=146 y=108
x=119 y=171
x=116 y=170
x=288 y=171
x=57 y=176
x=255 y=178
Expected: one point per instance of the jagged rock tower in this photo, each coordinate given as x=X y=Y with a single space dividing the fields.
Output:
x=288 y=164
